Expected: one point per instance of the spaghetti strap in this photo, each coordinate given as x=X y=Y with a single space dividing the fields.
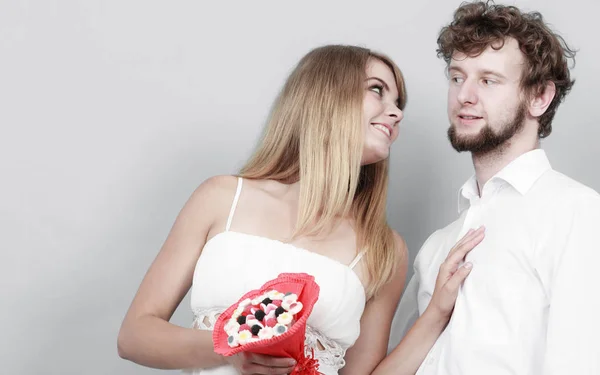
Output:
x=356 y=260
x=234 y=204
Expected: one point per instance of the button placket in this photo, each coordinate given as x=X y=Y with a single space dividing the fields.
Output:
x=472 y=217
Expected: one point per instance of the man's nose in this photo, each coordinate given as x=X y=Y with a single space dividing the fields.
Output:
x=467 y=93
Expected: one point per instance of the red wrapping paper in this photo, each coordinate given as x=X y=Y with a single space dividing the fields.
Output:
x=289 y=344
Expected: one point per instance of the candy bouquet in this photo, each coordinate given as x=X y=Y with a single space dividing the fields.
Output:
x=271 y=321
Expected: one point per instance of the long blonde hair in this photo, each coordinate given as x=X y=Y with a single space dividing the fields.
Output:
x=315 y=135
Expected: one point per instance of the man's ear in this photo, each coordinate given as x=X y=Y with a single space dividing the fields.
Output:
x=540 y=102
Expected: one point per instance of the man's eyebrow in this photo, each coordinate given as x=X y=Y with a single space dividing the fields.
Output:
x=481 y=72
x=385 y=85
x=455 y=68
x=493 y=73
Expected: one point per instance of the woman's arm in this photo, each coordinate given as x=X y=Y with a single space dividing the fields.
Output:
x=412 y=350
x=375 y=324
x=146 y=336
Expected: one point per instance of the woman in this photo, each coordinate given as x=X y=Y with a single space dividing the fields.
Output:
x=311 y=199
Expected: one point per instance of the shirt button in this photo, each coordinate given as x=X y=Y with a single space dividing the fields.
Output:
x=430 y=360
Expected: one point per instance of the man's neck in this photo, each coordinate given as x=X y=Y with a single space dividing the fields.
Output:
x=489 y=164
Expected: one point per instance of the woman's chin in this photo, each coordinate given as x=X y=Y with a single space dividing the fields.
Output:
x=373 y=157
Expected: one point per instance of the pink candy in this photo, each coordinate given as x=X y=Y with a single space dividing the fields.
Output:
x=271 y=322
x=269 y=308
x=286 y=305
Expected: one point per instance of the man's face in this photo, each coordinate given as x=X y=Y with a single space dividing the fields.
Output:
x=486 y=106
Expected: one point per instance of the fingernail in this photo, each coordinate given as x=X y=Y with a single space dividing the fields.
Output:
x=468 y=265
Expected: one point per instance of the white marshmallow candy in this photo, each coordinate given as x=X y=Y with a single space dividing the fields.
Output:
x=270 y=315
x=266 y=333
x=259 y=299
x=275 y=295
x=252 y=321
x=288 y=300
x=270 y=307
x=295 y=308
x=237 y=312
x=244 y=336
x=232 y=326
x=279 y=329
x=232 y=340
x=285 y=318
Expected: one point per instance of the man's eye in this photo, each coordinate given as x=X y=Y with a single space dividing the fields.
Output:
x=457 y=79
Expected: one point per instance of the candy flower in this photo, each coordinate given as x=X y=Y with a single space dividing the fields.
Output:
x=232 y=340
x=285 y=318
x=279 y=329
x=244 y=336
x=266 y=333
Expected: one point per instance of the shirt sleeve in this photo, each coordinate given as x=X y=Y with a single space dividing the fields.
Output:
x=573 y=333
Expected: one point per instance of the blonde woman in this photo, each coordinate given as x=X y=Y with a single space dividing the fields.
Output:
x=311 y=199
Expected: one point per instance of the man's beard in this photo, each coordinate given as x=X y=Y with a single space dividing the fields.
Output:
x=488 y=140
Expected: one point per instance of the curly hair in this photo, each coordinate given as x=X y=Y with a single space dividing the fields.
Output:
x=481 y=24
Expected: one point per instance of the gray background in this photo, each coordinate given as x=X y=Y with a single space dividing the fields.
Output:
x=112 y=112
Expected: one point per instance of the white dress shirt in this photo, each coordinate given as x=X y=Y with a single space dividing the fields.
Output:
x=531 y=304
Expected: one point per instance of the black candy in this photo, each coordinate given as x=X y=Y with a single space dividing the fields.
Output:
x=255 y=329
x=266 y=301
x=280 y=310
x=259 y=315
x=241 y=319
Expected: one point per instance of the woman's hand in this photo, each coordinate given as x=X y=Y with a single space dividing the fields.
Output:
x=451 y=276
x=251 y=363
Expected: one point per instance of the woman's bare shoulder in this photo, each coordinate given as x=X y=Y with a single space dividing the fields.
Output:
x=213 y=195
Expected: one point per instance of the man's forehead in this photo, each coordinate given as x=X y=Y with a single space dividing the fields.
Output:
x=506 y=58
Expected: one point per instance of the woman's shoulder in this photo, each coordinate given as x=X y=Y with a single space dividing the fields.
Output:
x=216 y=186
x=220 y=190
x=214 y=191
x=402 y=250
x=265 y=189
x=399 y=243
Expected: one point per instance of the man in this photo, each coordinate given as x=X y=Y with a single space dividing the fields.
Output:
x=530 y=304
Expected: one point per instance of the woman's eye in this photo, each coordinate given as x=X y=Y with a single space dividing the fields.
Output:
x=378 y=89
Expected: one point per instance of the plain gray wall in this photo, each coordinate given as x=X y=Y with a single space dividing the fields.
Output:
x=112 y=112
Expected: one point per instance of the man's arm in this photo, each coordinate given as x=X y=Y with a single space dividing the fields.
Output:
x=573 y=334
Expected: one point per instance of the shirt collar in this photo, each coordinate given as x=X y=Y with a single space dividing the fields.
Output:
x=521 y=174
x=467 y=192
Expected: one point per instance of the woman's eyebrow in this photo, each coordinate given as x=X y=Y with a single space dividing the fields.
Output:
x=385 y=85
